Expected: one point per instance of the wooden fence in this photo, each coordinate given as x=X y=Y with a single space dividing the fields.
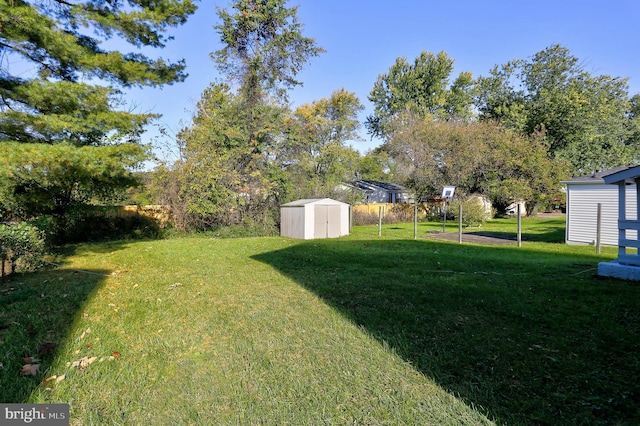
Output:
x=372 y=208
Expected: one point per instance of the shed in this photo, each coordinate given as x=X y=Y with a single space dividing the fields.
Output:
x=583 y=195
x=314 y=218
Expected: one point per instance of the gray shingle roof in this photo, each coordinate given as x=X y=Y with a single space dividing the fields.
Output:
x=597 y=176
x=373 y=184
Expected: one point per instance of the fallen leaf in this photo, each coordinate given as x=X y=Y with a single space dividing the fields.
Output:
x=60 y=378
x=48 y=379
x=116 y=354
x=86 y=361
x=82 y=363
x=30 y=370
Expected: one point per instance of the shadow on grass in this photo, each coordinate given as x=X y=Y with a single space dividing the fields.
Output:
x=37 y=311
x=528 y=337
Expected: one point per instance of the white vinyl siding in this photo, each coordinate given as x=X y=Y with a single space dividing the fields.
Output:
x=314 y=218
x=582 y=212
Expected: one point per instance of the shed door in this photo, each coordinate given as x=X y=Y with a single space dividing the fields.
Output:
x=327 y=221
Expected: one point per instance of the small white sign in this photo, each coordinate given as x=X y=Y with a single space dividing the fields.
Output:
x=447 y=191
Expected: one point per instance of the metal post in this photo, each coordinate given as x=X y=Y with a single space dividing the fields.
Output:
x=460 y=223
x=519 y=225
x=379 y=221
x=444 y=224
x=598 y=228
x=415 y=220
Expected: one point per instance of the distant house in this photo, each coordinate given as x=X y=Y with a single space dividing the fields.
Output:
x=584 y=193
x=381 y=192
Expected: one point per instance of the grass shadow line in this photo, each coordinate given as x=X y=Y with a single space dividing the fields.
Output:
x=37 y=311
x=524 y=334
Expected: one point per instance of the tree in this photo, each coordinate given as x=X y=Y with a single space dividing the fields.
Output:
x=586 y=119
x=41 y=179
x=71 y=99
x=62 y=41
x=475 y=157
x=263 y=48
x=223 y=180
x=421 y=88
x=230 y=174
x=376 y=165
x=315 y=153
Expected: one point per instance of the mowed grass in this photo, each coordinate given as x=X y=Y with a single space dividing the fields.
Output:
x=358 y=330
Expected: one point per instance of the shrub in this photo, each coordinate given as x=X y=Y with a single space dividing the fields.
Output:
x=474 y=212
x=99 y=226
x=23 y=245
x=96 y=224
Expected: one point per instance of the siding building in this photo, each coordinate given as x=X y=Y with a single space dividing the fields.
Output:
x=584 y=193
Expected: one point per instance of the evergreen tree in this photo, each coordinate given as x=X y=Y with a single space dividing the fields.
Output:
x=59 y=85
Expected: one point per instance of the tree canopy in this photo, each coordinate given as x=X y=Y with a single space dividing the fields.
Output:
x=475 y=157
x=237 y=149
x=422 y=88
x=263 y=47
x=317 y=158
x=70 y=89
x=59 y=85
x=587 y=120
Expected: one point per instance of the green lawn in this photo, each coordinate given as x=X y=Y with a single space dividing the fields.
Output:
x=358 y=330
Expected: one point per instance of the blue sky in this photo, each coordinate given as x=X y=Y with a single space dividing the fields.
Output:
x=362 y=39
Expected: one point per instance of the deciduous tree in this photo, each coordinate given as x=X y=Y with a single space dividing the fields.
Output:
x=422 y=88
x=586 y=118
x=263 y=48
x=317 y=157
x=475 y=157
x=230 y=174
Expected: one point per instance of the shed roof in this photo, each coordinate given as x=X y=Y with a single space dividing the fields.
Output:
x=599 y=176
x=317 y=201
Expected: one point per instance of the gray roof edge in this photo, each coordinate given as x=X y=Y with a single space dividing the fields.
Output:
x=597 y=177
x=630 y=172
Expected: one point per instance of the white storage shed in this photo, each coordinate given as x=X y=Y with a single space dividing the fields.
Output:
x=315 y=218
x=583 y=195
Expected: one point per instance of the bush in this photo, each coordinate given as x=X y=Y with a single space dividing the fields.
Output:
x=474 y=212
x=23 y=245
x=96 y=224
x=99 y=227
